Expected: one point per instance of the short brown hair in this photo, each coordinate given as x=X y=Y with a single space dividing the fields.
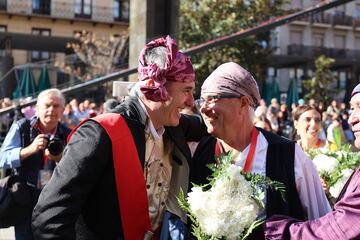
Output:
x=301 y=109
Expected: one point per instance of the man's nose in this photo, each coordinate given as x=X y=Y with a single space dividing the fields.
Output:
x=190 y=100
x=354 y=117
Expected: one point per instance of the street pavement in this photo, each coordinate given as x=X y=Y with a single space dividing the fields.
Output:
x=7 y=234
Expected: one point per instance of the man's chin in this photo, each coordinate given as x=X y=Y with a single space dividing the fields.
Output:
x=173 y=123
x=212 y=131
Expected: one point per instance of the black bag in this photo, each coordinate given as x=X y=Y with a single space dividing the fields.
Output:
x=16 y=200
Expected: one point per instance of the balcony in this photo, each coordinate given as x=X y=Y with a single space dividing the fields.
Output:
x=314 y=52
x=340 y=18
x=337 y=18
x=356 y=22
x=64 y=10
x=324 y=18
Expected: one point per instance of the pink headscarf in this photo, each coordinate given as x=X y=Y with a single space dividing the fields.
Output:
x=356 y=90
x=178 y=67
x=231 y=79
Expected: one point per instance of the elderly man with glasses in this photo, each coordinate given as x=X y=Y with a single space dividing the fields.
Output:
x=228 y=99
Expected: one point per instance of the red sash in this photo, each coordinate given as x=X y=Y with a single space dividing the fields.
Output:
x=250 y=156
x=130 y=184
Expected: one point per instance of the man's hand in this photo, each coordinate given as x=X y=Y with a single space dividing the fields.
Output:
x=39 y=143
x=56 y=158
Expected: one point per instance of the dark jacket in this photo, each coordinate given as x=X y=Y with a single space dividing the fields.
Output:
x=84 y=182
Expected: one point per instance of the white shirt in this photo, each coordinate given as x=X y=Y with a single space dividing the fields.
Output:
x=311 y=193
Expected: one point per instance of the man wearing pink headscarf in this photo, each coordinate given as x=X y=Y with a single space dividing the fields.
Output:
x=340 y=224
x=228 y=100
x=84 y=183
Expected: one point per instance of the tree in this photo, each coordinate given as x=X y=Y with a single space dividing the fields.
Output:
x=318 y=86
x=205 y=20
x=95 y=56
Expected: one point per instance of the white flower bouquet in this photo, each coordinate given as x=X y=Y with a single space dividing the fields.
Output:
x=227 y=207
x=335 y=167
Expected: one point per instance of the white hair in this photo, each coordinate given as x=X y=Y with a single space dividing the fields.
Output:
x=251 y=113
x=156 y=55
x=54 y=92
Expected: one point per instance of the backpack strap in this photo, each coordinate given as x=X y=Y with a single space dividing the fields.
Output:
x=130 y=184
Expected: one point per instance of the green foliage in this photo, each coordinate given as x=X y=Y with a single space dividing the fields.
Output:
x=204 y=20
x=318 y=86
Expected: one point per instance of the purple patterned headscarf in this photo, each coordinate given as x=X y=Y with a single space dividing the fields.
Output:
x=178 y=67
x=356 y=90
x=231 y=79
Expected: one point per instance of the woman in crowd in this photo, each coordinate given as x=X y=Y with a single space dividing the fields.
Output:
x=307 y=123
x=263 y=122
x=335 y=134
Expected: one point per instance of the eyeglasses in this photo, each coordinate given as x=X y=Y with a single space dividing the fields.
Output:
x=199 y=103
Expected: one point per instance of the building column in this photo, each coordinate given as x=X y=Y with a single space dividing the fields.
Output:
x=8 y=83
x=150 y=19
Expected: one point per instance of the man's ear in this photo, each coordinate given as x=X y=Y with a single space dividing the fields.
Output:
x=244 y=101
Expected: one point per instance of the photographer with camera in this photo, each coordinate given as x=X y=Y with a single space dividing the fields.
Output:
x=33 y=147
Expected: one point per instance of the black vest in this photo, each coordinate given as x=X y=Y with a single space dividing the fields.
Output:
x=280 y=158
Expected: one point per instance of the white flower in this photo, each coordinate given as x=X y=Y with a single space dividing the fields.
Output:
x=338 y=186
x=227 y=209
x=324 y=163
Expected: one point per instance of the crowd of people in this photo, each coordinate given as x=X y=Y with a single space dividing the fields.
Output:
x=335 y=130
x=331 y=123
x=125 y=163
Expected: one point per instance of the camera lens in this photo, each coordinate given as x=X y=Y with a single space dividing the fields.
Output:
x=55 y=146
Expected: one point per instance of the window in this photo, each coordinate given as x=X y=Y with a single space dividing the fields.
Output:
x=318 y=39
x=121 y=10
x=296 y=37
x=340 y=10
x=2 y=4
x=3 y=29
x=339 y=42
x=41 y=6
x=357 y=43
x=357 y=11
x=342 y=80
x=83 y=8
x=37 y=55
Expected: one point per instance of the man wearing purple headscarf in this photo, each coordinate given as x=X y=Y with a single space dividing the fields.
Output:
x=228 y=99
x=84 y=183
x=340 y=224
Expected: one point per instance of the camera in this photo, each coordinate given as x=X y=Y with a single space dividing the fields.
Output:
x=55 y=145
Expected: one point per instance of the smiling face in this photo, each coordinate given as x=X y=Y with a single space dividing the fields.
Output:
x=180 y=97
x=220 y=115
x=49 y=111
x=308 y=125
x=354 y=119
